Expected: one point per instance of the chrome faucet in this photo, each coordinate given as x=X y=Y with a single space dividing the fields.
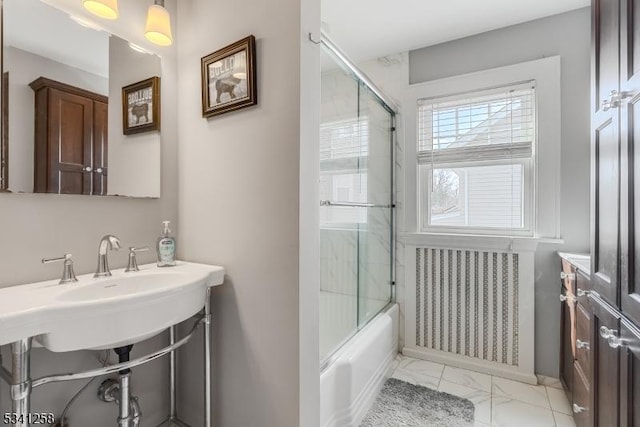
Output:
x=107 y=242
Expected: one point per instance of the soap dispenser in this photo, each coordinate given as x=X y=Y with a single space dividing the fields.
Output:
x=166 y=247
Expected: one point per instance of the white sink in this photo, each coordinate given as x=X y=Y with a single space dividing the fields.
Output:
x=105 y=312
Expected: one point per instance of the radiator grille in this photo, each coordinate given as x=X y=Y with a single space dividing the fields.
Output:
x=467 y=303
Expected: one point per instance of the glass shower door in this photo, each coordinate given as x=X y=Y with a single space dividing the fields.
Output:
x=356 y=212
x=341 y=146
x=375 y=246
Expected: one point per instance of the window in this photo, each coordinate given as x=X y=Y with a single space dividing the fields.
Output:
x=344 y=151
x=476 y=161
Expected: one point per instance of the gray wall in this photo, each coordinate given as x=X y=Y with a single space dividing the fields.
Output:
x=37 y=225
x=134 y=160
x=567 y=35
x=240 y=207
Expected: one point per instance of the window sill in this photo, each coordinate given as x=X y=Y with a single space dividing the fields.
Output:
x=476 y=241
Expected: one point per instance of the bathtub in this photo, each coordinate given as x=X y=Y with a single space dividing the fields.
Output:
x=353 y=377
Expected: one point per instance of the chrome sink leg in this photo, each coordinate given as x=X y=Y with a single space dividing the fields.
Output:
x=173 y=420
x=207 y=360
x=21 y=381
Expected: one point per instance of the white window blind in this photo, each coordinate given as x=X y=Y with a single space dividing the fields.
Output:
x=476 y=160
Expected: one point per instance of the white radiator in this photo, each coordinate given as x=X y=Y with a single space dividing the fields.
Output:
x=471 y=308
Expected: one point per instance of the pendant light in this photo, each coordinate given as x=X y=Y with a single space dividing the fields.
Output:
x=107 y=9
x=158 y=29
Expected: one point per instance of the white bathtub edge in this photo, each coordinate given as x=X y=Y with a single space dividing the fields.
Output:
x=343 y=403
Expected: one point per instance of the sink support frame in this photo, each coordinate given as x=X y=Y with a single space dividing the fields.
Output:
x=21 y=384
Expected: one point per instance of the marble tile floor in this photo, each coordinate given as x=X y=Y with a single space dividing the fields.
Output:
x=499 y=402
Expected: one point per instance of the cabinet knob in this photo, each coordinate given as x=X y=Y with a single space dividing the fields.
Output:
x=607 y=333
x=564 y=298
x=570 y=276
x=99 y=170
x=583 y=344
x=615 y=342
x=615 y=100
x=87 y=169
x=583 y=293
x=577 y=409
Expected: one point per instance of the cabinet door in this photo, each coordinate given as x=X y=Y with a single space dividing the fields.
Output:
x=567 y=340
x=100 y=148
x=69 y=139
x=582 y=414
x=605 y=365
x=630 y=166
x=629 y=375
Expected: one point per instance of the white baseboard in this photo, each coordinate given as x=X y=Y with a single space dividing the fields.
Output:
x=472 y=364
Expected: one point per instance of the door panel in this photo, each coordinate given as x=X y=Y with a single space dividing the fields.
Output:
x=630 y=137
x=605 y=247
x=630 y=375
x=605 y=368
x=100 y=147
x=605 y=27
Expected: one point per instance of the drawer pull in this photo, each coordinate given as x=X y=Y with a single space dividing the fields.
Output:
x=607 y=333
x=583 y=344
x=577 y=409
x=583 y=293
x=570 y=276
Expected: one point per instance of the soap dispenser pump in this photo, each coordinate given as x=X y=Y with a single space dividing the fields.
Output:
x=166 y=247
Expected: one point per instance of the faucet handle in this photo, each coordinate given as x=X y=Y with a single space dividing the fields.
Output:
x=133 y=261
x=68 y=275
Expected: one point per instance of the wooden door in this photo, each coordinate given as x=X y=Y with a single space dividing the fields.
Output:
x=605 y=365
x=605 y=157
x=629 y=375
x=70 y=136
x=100 y=147
x=630 y=166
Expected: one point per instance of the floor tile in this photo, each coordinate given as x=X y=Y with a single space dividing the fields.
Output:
x=531 y=394
x=481 y=399
x=467 y=378
x=563 y=420
x=549 y=381
x=423 y=367
x=507 y=412
x=418 y=379
x=559 y=401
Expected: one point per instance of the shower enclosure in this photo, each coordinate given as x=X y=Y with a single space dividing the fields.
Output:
x=357 y=201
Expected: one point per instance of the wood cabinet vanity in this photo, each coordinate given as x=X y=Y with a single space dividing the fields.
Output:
x=71 y=129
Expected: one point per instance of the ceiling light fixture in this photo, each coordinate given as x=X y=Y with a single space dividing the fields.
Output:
x=107 y=9
x=158 y=29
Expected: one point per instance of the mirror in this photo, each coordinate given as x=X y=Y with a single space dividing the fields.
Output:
x=62 y=109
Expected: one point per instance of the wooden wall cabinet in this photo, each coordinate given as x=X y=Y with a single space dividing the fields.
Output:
x=604 y=384
x=71 y=133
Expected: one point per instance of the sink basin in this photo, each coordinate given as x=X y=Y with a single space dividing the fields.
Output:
x=105 y=312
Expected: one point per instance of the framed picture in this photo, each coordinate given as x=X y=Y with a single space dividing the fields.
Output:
x=141 y=106
x=229 y=78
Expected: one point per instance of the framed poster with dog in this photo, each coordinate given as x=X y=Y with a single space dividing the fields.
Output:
x=229 y=78
x=141 y=106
